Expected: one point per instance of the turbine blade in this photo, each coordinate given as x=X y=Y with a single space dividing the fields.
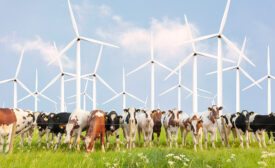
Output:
x=24 y=87
x=249 y=77
x=73 y=19
x=62 y=51
x=225 y=69
x=104 y=83
x=213 y=56
x=268 y=61
x=111 y=99
x=24 y=98
x=186 y=88
x=89 y=97
x=58 y=59
x=69 y=74
x=224 y=16
x=206 y=97
x=258 y=81
x=138 y=68
x=168 y=90
x=233 y=46
x=98 y=58
x=202 y=38
x=47 y=98
x=134 y=97
x=190 y=34
x=242 y=51
x=71 y=79
x=190 y=94
x=179 y=66
x=98 y=42
x=163 y=66
x=19 y=64
x=86 y=85
x=70 y=97
x=205 y=91
x=6 y=81
x=51 y=83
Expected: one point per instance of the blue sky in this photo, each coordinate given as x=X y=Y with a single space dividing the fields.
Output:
x=37 y=24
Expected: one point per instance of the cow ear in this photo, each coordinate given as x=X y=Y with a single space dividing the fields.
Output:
x=61 y=126
x=163 y=112
x=180 y=111
x=154 y=111
x=120 y=117
x=137 y=110
x=209 y=109
x=125 y=110
x=220 y=108
x=143 y=111
x=238 y=113
x=200 y=122
x=170 y=111
x=106 y=117
x=251 y=113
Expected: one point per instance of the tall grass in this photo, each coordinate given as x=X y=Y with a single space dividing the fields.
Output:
x=157 y=156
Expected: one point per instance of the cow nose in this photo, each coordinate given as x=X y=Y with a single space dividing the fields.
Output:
x=112 y=128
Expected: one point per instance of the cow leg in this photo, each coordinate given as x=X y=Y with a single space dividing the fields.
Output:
x=139 y=132
x=200 y=140
x=9 y=138
x=22 y=140
x=150 y=138
x=2 y=140
x=234 y=133
x=77 y=139
x=213 y=135
x=205 y=138
x=181 y=134
x=102 y=141
x=144 y=138
x=273 y=134
x=263 y=138
x=158 y=135
x=258 y=140
x=269 y=137
x=176 y=138
x=185 y=137
x=194 y=141
x=107 y=140
x=40 y=134
x=47 y=137
x=57 y=140
x=247 y=139
x=30 y=136
x=169 y=139
x=117 y=140
x=134 y=139
x=166 y=133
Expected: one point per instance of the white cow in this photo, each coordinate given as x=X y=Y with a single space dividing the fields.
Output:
x=125 y=124
x=145 y=126
x=171 y=126
x=209 y=119
x=78 y=122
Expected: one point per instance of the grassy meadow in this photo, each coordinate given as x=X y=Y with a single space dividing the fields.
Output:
x=157 y=156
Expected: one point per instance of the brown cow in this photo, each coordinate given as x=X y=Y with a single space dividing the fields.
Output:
x=96 y=130
x=7 y=118
x=194 y=125
x=156 y=116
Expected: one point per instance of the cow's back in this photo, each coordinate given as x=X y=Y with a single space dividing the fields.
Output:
x=7 y=116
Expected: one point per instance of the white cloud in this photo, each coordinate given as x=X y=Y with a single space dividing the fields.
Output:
x=46 y=49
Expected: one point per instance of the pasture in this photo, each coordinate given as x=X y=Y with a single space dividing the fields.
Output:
x=157 y=156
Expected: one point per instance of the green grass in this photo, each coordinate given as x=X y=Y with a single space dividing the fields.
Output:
x=138 y=157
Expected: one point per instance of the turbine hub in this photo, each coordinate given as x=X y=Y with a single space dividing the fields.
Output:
x=123 y=93
x=219 y=36
x=62 y=74
x=195 y=54
x=268 y=76
x=152 y=62
x=237 y=68
x=94 y=75
x=78 y=39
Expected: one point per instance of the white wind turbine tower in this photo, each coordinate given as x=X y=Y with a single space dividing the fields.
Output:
x=194 y=55
x=16 y=81
x=221 y=36
x=78 y=62
x=268 y=77
x=123 y=93
x=36 y=93
x=95 y=77
x=152 y=61
x=238 y=69
x=61 y=75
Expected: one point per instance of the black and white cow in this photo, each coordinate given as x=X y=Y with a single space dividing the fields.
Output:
x=271 y=130
x=112 y=123
x=57 y=125
x=228 y=125
x=130 y=116
x=42 y=126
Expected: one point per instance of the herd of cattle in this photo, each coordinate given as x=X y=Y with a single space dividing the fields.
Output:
x=99 y=124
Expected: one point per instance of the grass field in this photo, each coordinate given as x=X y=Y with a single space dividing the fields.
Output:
x=161 y=156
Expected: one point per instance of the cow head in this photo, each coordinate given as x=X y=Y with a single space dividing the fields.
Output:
x=52 y=120
x=215 y=111
x=174 y=120
x=157 y=114
x=227 y=119
x=36 y=114
x=271 y=115
x=87 y=142
x=243 y=117
x=148 y=115
x=196 y=125
x=112 y=121
x=131 y=116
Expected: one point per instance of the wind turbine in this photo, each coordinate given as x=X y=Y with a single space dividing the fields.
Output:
x=268 y=77
x=123 y=93
x=36 y=93
x=221 y=36
x=152 y=61
x=238 y=69
x=16 y=81
x=194 y=55
x=78 y=62
x=61 y=75
x=95 y=77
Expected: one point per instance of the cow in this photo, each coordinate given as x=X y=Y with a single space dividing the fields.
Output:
x=78 y=122
x=271 y=130
x=57 y=125
x=112 y=123
x=182 y=119
x=42 y=127
x=130 y=116
x=156 y=116
x=96 y=130
x=194 y=125
x=171 y=126
x=145 y=126
x=239 y=121
x=228 y=126
x=7 y=119
x=209 y=119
